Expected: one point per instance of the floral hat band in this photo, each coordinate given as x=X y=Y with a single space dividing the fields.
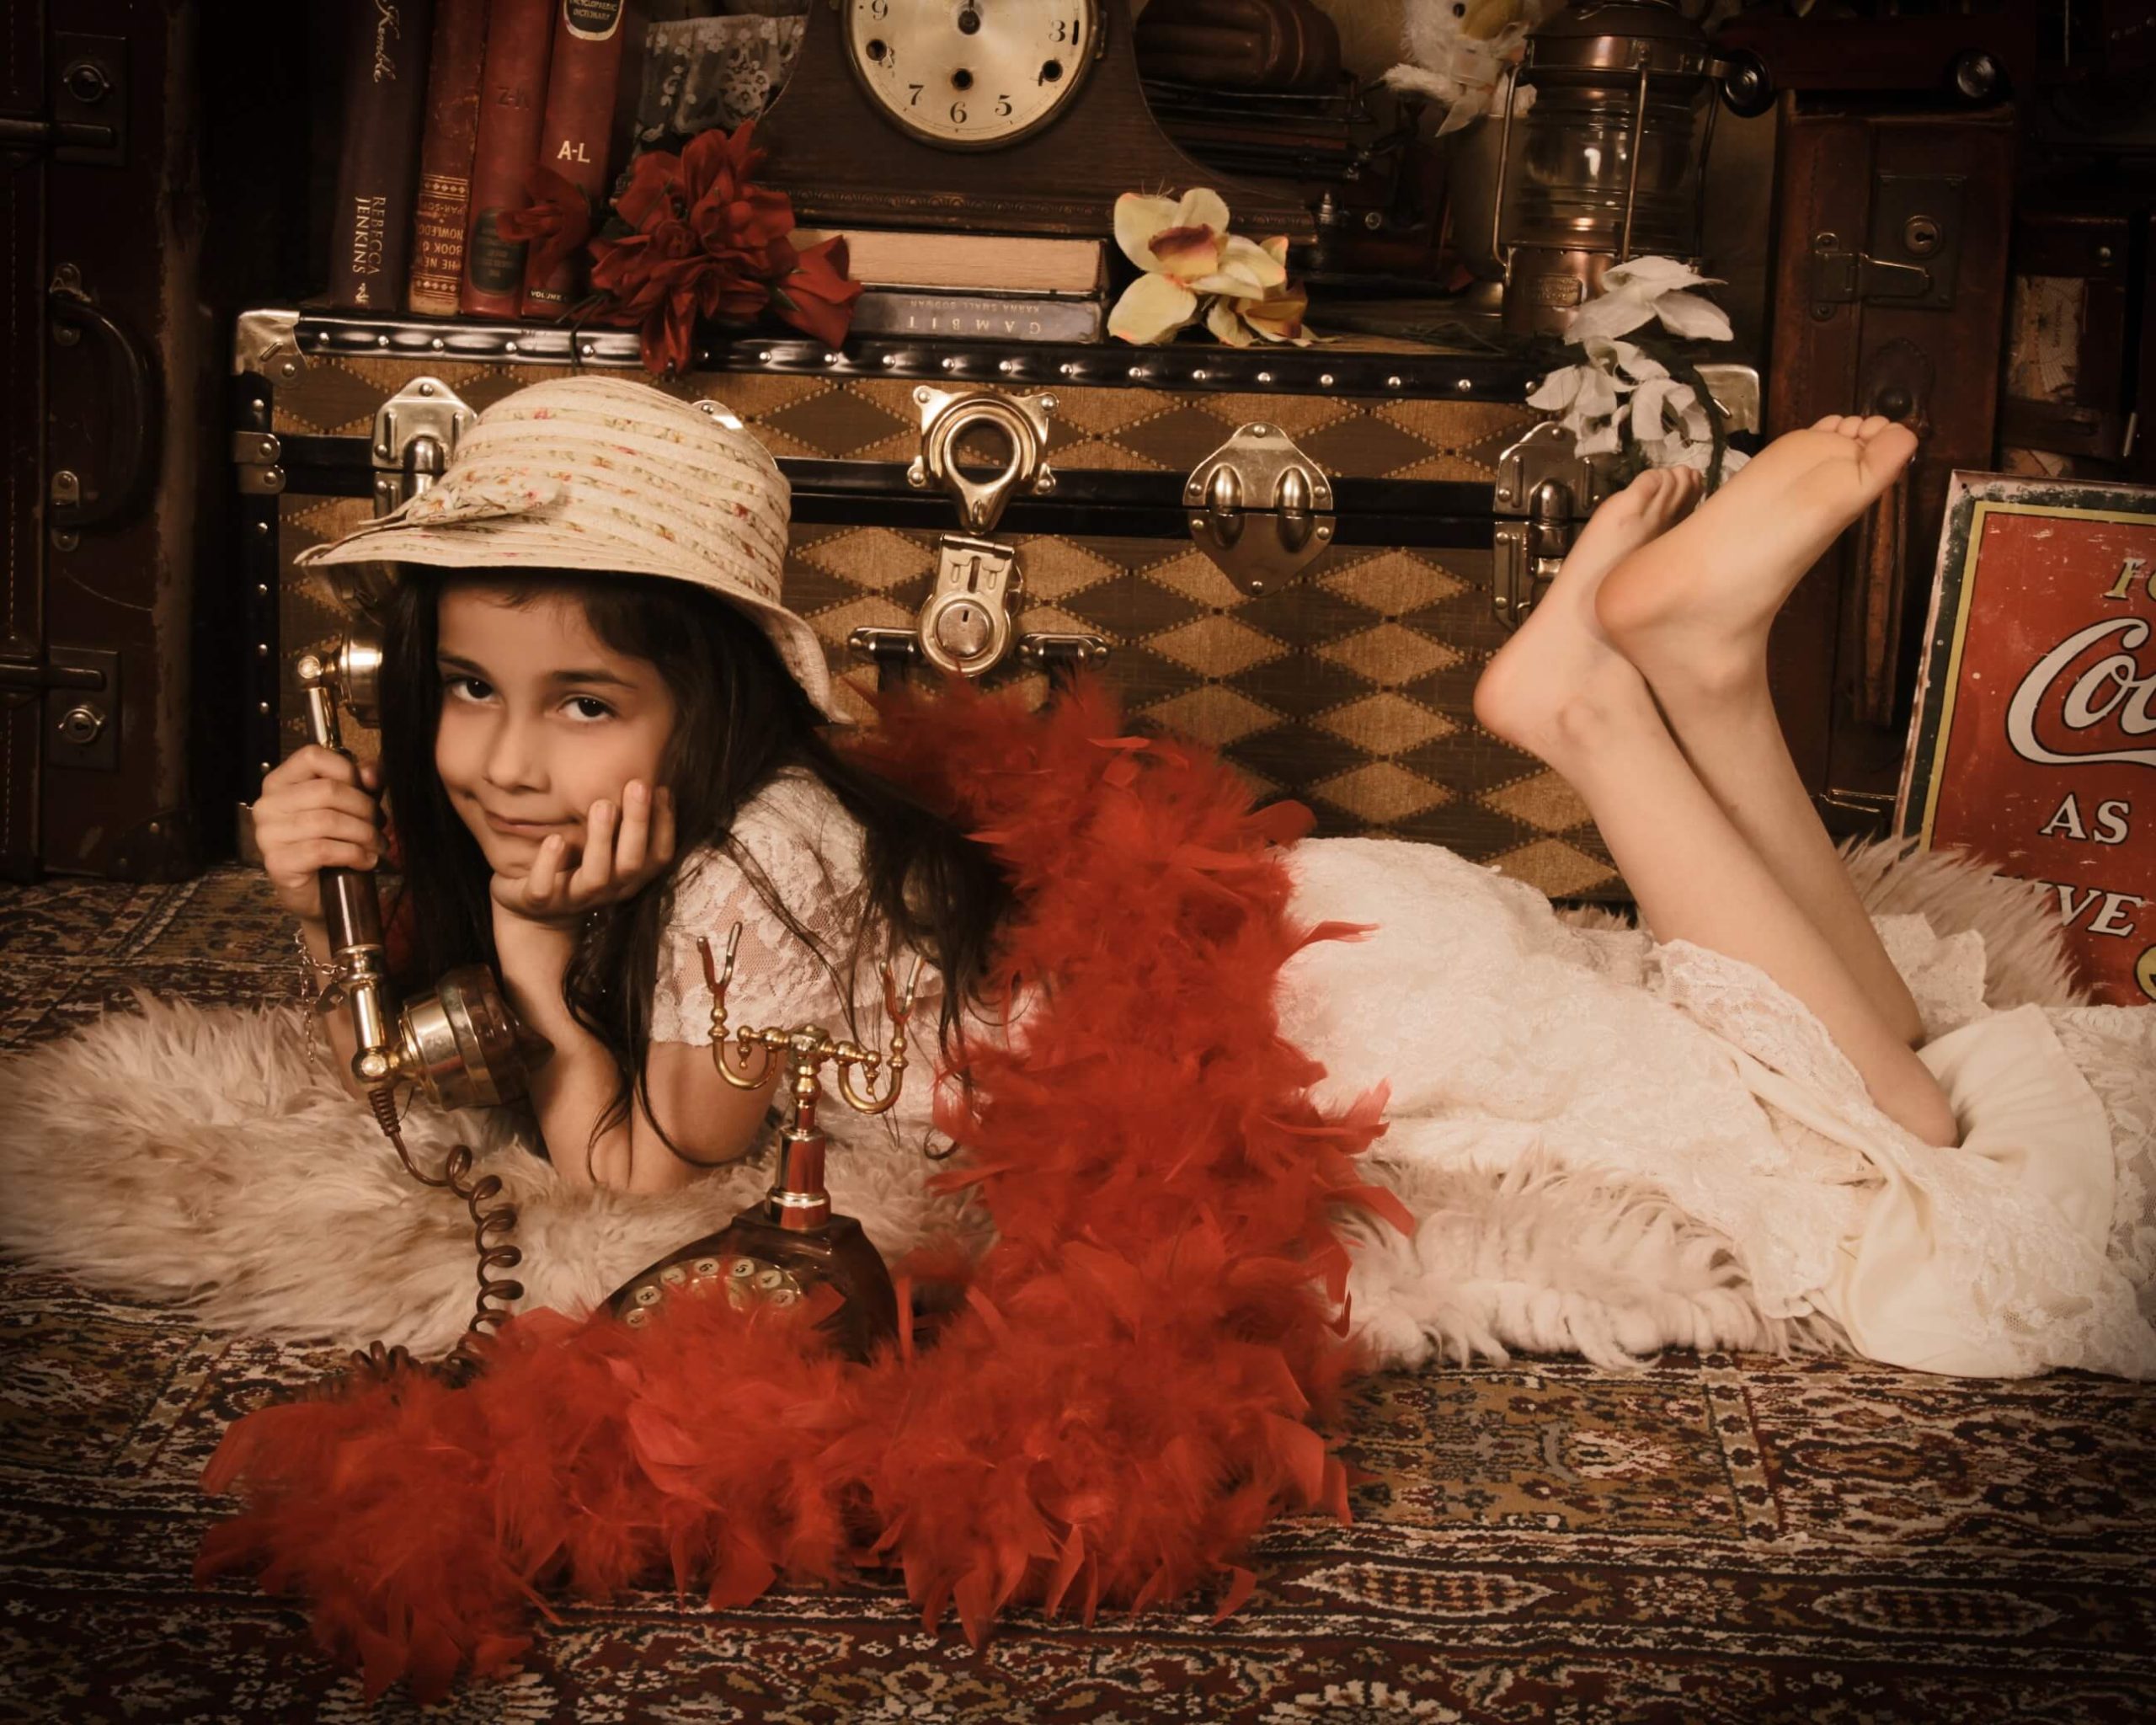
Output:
x=604 y=474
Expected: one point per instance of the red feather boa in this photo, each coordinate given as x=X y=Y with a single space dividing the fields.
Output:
x=1123 y=1397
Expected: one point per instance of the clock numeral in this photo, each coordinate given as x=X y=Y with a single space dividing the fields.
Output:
x=916 y=89
x=879 y=8
x=1003 y=108
x=958 y=113
x=1062 y=31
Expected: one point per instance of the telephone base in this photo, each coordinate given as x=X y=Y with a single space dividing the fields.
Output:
x=755 y=1261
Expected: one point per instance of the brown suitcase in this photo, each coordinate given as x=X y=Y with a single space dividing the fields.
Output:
x=1889 y=297
x=111 y=359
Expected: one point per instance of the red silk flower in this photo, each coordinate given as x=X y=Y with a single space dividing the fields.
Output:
x=703 y=241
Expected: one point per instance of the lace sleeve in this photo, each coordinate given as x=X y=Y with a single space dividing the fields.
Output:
x=807 y=854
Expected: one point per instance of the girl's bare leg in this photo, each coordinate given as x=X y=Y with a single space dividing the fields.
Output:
x=1561 y=689
x=1692 y=610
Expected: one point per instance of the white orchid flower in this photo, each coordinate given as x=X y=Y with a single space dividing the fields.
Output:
x=1643 y=291
x=1186 y=252
x=1624 y=359
x=1670 y=424
x=1278 y=314
x=1579 y=393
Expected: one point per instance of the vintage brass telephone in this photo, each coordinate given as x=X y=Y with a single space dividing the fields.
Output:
x=459 y=1045
x=789 y=1243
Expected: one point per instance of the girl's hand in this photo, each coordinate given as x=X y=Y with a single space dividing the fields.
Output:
x=623 y=852
x=317 y=810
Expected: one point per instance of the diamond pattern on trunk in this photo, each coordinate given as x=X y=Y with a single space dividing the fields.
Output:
x=1178 y=439
x=1476 y=428
x=1451 y=687
x=832 y=627
x=1366 y=446
x=1476 y=832
x=1300 y=684
x=1298 y=415
x=1216 y=646
x=1132 y=608
x=1055 y=567
x=1108 y=458
x=329 y=397
x=1545 y=801
x=808 y=589
x=1447 y=465
x=753 y=396
x=876 y=557
x=315 y=521
x=1102 y=413
x=1213 y=714
x=1144 y=678
x=1385 y=723
x=1303 y=615
x=1381 y=793
x=1197 y=576
x=1393 y=583
x=1472 y=760
x=1554 y=866
x=1298 y=755
x=1390 y=655
x=836 y=424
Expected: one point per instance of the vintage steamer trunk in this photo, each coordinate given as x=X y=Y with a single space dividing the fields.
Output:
x=1346 y=685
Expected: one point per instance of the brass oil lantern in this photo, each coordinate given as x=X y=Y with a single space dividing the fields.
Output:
x=1611 y=157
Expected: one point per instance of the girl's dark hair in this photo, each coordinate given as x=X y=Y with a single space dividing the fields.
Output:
x=740 y=719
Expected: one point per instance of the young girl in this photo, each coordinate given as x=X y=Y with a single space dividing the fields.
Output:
x=590 y=677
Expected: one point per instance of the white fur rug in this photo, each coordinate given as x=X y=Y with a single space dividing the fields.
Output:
x=195 y=1156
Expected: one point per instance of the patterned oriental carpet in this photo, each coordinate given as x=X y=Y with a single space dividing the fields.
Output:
x=1718 y=1538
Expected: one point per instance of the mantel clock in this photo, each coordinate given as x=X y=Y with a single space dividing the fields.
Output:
x=1005 y=116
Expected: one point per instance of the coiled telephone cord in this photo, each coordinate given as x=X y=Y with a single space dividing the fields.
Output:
x=491 y=1228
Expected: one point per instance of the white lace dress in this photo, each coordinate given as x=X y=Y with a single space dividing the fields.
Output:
x=1503 y=1033
x=808 y=851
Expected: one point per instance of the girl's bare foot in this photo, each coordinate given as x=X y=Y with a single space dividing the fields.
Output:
x=1692 y=608
x=1554 y=687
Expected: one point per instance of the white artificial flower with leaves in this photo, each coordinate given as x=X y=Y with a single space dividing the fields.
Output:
x=1193 y=266
x=1646 y=291
x=1619 y=387
x=1586 y=396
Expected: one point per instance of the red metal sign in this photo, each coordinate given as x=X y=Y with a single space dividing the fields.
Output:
x=2033 y=740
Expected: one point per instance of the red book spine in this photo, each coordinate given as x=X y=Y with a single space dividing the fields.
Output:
x=384 y=81
x=444 y=206
x=512 y=98
x=591 y=40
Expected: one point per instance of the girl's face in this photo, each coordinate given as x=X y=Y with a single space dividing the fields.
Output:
x=540 y=719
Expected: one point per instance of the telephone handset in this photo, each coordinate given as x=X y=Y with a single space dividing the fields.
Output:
x=459 y=1043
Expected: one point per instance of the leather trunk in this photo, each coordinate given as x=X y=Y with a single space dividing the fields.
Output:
x=1346 y=685
x=108 y=357
x=1889 y=297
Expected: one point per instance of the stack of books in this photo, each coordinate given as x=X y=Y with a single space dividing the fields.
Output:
x=452 y=104
x=979 y=286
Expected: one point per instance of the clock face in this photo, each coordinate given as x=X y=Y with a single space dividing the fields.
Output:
x=972 y=74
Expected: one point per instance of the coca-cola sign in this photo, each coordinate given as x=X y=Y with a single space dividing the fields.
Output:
x=2033 y=743
x=2114 y=693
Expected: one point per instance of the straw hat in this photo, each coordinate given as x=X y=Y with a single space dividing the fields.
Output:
x=602 y=474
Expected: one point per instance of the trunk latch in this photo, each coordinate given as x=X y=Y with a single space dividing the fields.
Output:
x=1259 y=507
